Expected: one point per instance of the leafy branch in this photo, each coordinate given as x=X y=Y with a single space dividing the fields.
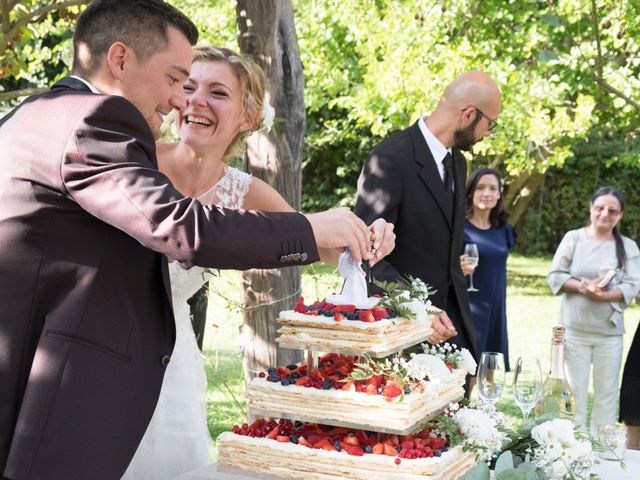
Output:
x=397 y=295
x=10 y=31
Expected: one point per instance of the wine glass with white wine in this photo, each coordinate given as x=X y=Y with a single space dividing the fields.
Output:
x=527 y=384
x=471 y=259
x=491 y=377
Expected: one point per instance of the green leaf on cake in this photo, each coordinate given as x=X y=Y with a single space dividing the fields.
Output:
x=404 y=312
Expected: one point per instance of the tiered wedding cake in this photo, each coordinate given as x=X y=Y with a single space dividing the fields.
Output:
x=352 y=416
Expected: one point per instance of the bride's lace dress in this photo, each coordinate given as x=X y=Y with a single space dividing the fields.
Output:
x=177 y=439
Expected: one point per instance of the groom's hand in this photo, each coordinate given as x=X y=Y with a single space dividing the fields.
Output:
x=383 y=240
x=339 y=228
x=443 y=328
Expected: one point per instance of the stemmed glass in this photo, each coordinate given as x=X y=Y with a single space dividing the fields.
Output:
x=527 y=384
x=471 y=251
x=491 y=377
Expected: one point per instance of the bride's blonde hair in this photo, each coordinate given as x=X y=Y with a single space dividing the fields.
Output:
x=252 y=88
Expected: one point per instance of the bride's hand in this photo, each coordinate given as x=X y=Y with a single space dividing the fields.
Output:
x=383 y=239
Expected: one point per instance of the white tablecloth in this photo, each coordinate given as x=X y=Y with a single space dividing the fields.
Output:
x=606 y=469
x=609 y=470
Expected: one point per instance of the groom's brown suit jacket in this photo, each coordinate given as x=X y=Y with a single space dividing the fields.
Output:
x=86 y=324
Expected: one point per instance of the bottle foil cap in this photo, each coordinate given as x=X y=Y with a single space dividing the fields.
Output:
x=558 y=334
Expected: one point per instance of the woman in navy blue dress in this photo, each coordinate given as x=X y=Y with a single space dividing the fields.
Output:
x=486 y=226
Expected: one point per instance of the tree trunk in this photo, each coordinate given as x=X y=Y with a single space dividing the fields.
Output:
x=523 y=188
x=267 y=35
x=518 y=201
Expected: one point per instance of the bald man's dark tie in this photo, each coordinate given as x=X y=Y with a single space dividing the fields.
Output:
x=448 y=173
x=448 y=185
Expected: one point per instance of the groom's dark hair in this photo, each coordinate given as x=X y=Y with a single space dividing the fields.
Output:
x=140 y=24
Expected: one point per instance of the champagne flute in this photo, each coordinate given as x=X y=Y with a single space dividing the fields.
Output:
x=491 y=376
x=471 y=251
x=527 y=385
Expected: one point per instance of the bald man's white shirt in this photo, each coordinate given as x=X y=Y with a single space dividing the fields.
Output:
x=438 y=150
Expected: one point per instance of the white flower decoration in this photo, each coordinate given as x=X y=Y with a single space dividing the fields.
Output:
x=480 y=432
x=467 y=362
x=423 y=365
x=268 y=114
x=419 y=310
x=559 y=452
x=559 y=430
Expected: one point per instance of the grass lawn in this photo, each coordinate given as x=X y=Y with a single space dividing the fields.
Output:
x=532 y=312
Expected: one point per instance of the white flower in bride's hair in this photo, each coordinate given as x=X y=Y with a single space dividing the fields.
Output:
x=268 y=114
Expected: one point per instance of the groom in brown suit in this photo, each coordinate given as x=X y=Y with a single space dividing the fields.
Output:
x=86 y=219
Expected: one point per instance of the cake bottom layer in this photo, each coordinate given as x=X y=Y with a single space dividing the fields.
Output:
x=295 y=461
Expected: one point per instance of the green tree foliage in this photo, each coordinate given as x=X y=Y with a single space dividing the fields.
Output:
x=569 y=71
x=375 y=66
x=216 y=20
x=35 y=42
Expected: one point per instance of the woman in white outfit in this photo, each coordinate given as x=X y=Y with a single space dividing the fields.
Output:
x=225 y=102
x=593 y=312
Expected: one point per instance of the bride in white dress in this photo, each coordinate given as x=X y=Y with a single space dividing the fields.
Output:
x=224 y=93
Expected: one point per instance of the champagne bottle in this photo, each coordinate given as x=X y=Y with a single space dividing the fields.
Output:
x=557 y=398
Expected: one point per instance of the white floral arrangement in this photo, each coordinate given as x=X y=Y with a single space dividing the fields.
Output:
x=448 y=353
x=560 y=455
x=420 y=291
x=482 y=430
x=423 y=365
x=405 y=297
x=550 y=449
x=416 y=372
